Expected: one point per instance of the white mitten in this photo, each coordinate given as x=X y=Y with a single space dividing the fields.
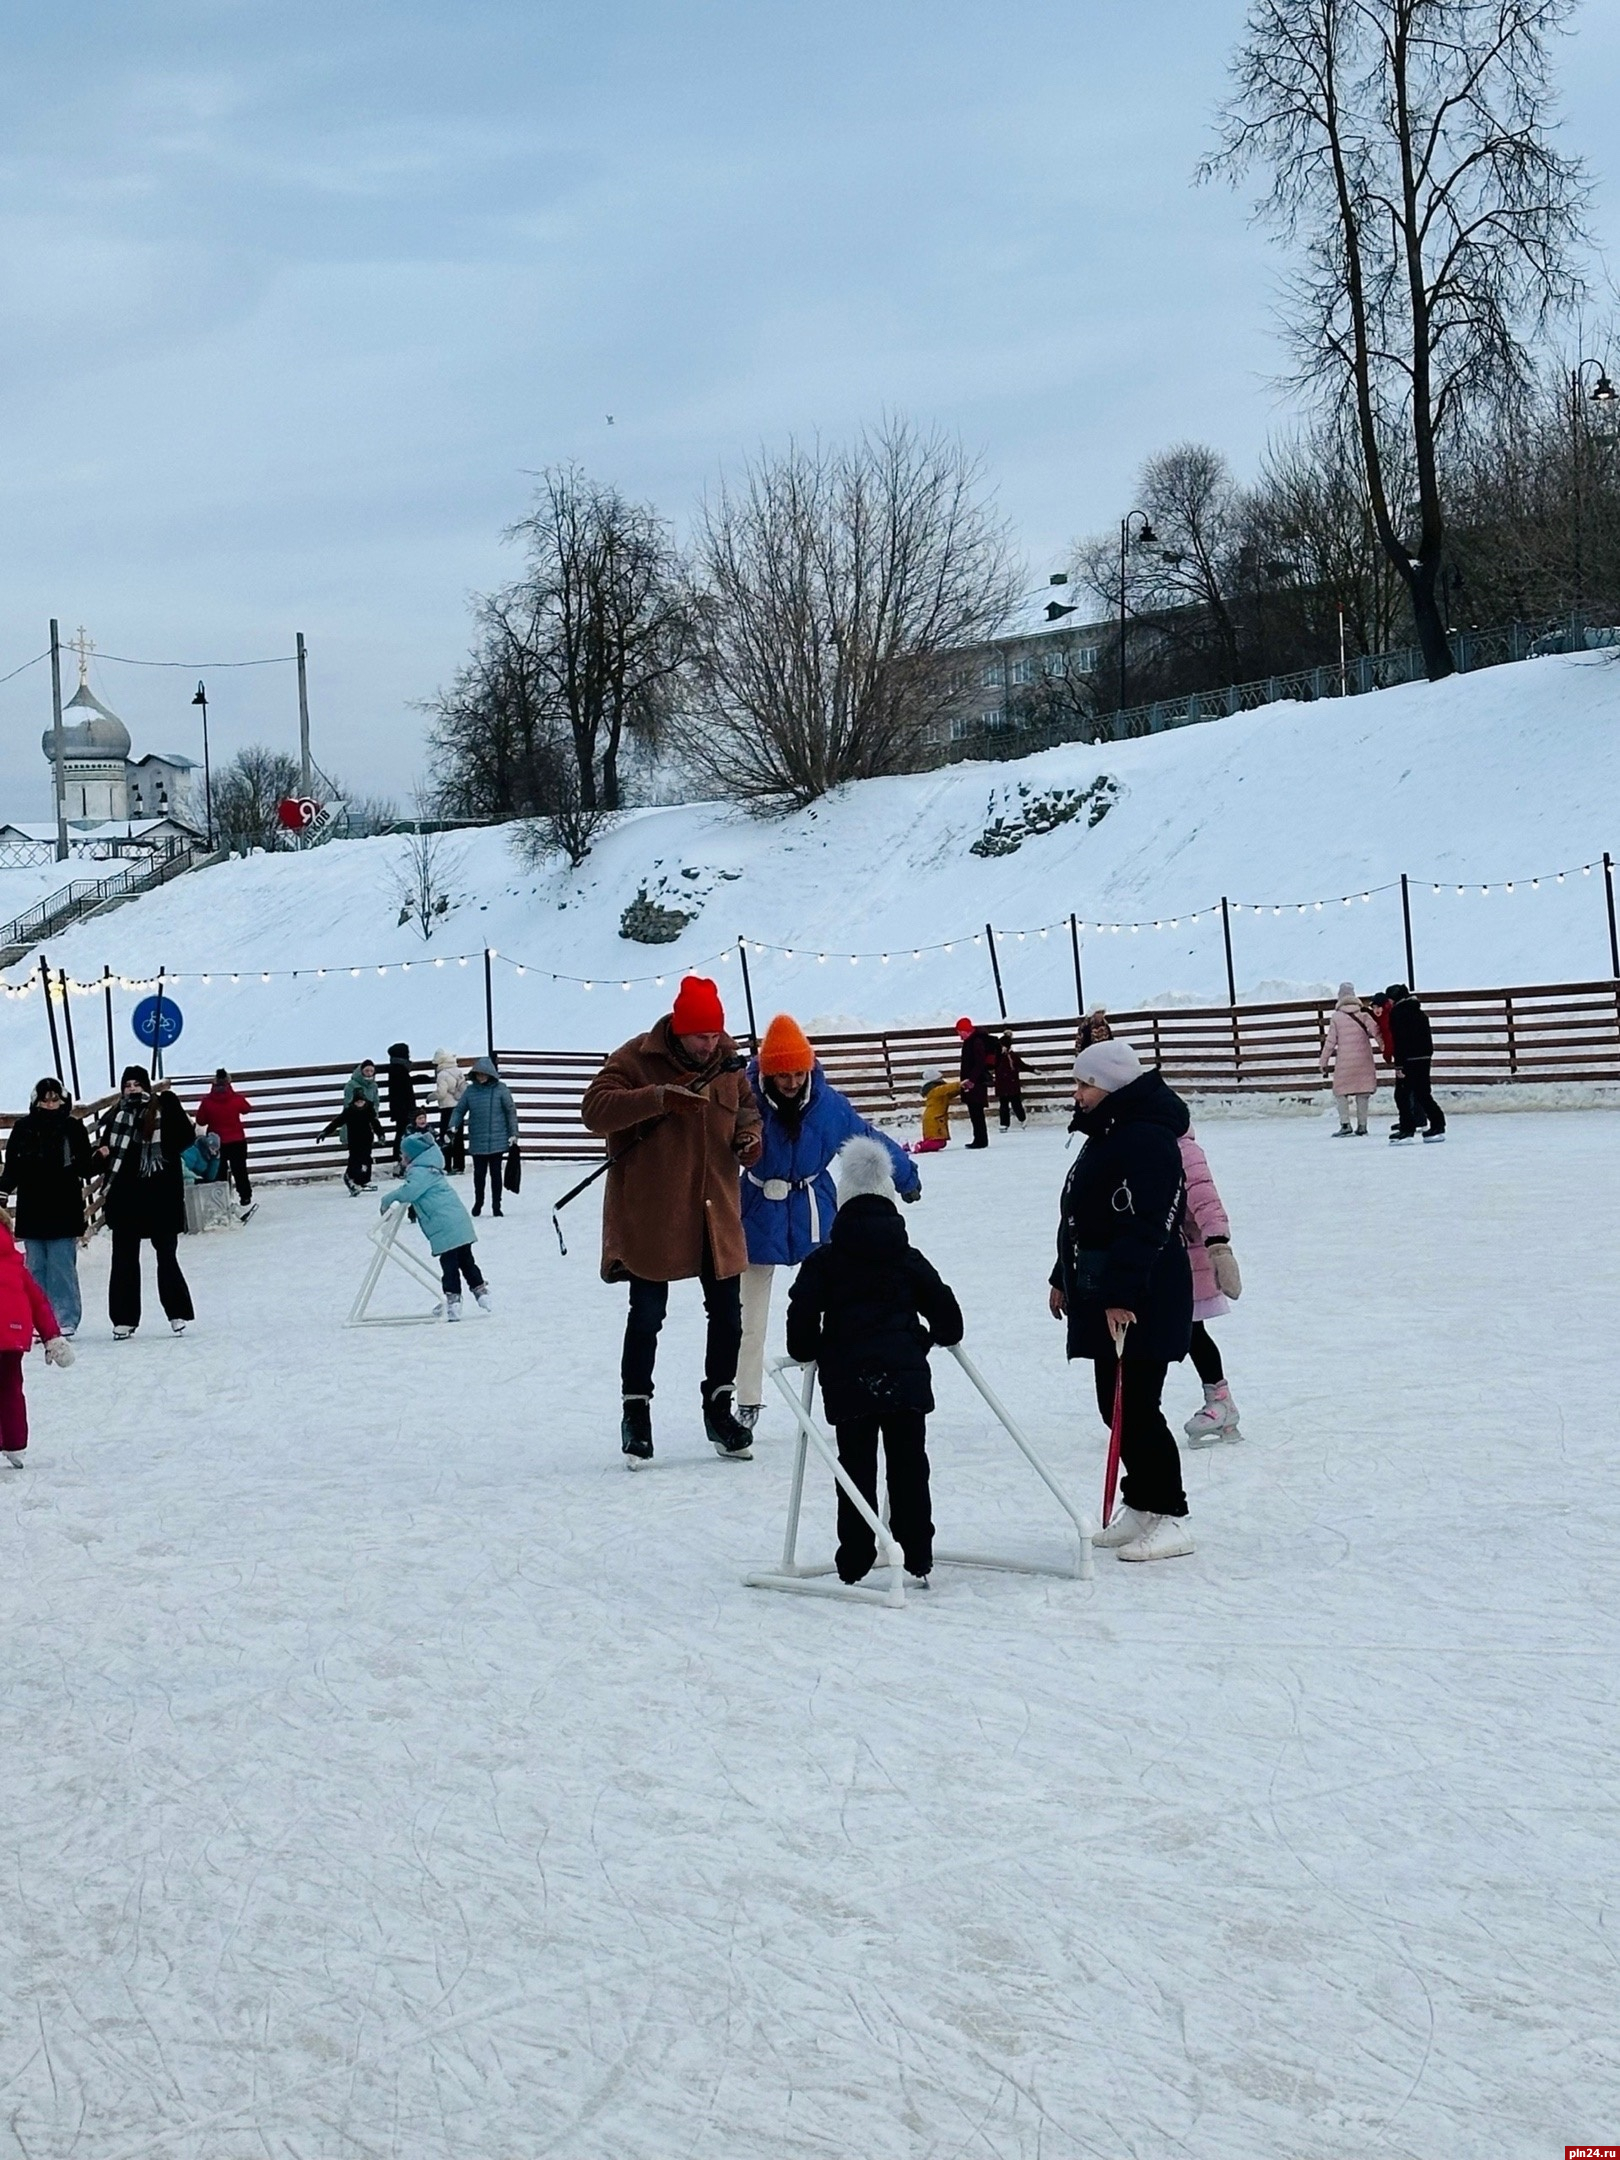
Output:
x=59 y=1351
x=1228 y=1277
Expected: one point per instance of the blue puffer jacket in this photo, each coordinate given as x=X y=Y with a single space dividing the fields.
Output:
x=443 y=1220
x=487 y=1112
x=781 y=1233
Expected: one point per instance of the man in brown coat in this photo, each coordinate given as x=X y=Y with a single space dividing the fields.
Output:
x=677 y=1112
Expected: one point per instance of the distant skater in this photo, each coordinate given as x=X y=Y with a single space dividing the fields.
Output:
x=143 y=1137
x=866 y=1308
x=1349 y=1052
x=48 y=1160
x=487 y=1115
x=449 y=1085
x=978 y=1076
x=441 y=1217
x=401 y=1093
x=360 y=1125
x=938 y=1094
x=1216 y=1282
x=1010 y=1068
x=1413 y=1040
x=24 y=1311
x=221 y=1111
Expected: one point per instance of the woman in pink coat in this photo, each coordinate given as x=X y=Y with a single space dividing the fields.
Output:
x=1349 y=1052
x=1216 y=1282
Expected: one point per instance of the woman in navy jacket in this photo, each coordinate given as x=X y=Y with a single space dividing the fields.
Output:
x=788 y=1196
x=1122 y=1268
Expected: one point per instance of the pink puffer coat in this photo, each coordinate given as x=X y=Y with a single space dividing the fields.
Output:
x=1205 y=1218
x=1350 y=1050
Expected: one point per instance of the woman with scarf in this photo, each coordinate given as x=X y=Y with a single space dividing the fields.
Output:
x=47 y=1162
x=143 y=1138
x=788 y=1197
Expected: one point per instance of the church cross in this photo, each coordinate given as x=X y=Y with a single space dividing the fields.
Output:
x=84 y=645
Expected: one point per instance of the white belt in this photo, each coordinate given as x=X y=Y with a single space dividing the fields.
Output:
x=778 y=1188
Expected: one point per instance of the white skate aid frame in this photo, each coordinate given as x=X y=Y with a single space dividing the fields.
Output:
x=807 y=1579
x=383 y=1237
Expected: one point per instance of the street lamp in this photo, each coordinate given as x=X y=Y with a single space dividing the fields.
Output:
x=1606 y=398
x=1147 y=537
x=208 y=781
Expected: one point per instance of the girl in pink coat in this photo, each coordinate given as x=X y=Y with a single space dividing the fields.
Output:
x=24 y=1307
x=1216 y=1282
x=1349 y=1052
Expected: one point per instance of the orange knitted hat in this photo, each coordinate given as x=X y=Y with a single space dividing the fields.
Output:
x=786 y=1048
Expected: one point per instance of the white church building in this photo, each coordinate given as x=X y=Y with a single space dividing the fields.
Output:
x=102 y=782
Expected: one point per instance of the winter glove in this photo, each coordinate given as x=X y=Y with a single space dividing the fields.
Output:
x=911 y=1198
x=1228 y=1276
x=59 y=1351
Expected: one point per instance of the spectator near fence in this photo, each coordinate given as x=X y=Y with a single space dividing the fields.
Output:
x=488 y=1115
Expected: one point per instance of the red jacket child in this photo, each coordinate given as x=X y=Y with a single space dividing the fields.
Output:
x=23 y=1308
x=222 y=1110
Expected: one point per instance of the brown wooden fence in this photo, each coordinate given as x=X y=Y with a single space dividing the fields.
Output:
x=1559 y=1032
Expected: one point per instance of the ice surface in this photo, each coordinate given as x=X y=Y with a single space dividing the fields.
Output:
x=1506 y=774
x=387 y=1773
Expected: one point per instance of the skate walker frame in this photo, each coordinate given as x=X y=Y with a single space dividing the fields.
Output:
x=383 y=1237
x=808 y=1579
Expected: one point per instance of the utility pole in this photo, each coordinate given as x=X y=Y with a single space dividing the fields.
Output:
x=305 y=777
x=57 y=746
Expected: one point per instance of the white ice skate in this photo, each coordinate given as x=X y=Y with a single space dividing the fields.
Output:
x=1218 y=1420
x=13 y=1457
x=452 y=1308
x=179 y=1326
x=1164 y=1537
x=1129 y=1523
x=748 y=1414
x=482 y=1295
x=122 y=1334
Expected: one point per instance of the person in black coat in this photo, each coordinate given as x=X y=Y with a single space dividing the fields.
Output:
x=47 y=1161
x=978 y=1071
x=1412 y=1042
x=143 y=1137
x=357 y=1121
x=858 y=1309
x=401 y=1093
x=1122 y=1271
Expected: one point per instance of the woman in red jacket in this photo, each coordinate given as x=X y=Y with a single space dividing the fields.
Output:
x=24 y=1307
x=222 y=1111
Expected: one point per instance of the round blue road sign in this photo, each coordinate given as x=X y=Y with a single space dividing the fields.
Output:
x=149 y=1030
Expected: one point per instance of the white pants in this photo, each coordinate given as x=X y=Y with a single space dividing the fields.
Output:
x=1344 y=1102
x=756 y=1313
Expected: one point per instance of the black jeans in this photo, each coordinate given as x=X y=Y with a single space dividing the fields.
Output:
x=455 y=1264
x=1414 y=1104
x=358 y=1169
x=124 y=1284
x=487 y=1167
x=974 y=1106
x=649 y=1301
x=1206 y=1358
x=1011 y=1106
x=453 y=1145
x=233 y=1160
x=1147 y=1452
x=905 y=1457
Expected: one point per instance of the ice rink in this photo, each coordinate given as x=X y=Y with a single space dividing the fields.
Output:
x=390 y=1776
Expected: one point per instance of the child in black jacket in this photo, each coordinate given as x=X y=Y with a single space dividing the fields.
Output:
x=358 y=1122
x=857 y=1309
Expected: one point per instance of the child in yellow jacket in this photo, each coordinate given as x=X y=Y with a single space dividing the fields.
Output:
x=938 y=1095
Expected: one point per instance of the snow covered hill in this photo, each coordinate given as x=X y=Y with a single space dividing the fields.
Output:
x=1504 y=775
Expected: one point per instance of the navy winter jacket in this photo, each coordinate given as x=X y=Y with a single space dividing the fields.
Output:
x=1119 y=1228
x=487 y=1112
x=798 y=1152
x=857 y=1310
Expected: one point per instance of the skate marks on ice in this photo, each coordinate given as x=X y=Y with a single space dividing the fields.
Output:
x=396 y=1777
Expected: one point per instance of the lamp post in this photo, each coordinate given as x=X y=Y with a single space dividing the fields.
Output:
x=1606 y=398
x=208 y=779
x=1127 y=540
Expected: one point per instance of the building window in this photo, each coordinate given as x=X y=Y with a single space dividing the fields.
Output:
x=960 y=726
x=1084 y=660
x=1023 y=671
x=990 y=675
x=993 y=719
x=1057 y=663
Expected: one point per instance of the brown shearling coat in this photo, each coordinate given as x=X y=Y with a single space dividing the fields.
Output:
x=683 y=1176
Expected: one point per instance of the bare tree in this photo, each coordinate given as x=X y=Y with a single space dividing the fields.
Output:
x=830 y=583
x=426 y=871
x=246 y=794
x=1410 y=160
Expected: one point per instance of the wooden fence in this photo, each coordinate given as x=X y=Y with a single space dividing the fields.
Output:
x=1548 y=1033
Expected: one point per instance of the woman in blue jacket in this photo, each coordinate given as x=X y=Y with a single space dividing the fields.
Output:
x=788 y=1196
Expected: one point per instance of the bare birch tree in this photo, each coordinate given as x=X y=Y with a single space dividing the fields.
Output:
x=830 y=583
x=1408 y=144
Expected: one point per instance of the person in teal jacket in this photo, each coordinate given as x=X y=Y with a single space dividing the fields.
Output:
x=440 y=1216
x=489 y=1116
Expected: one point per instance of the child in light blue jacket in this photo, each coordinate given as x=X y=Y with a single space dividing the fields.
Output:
x=440 y=1216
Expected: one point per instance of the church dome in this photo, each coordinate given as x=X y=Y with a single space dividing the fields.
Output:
x=99 y=734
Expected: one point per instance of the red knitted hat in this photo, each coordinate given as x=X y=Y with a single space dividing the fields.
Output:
x=964 y=1027
x=785 y=1048
x=698 y=1010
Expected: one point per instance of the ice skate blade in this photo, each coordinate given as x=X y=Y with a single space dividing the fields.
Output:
x=14 y=1458
x=1213 y=1439
x=741 y=1454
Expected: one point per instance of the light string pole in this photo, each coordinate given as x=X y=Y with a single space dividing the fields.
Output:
x=748 y=994
x=50 y=1014
x=1614 y=938
x=1079 y=986
x=106 y=991
x=489 y=1002
x=305 y=774
x=995 y=969
x=1406 y=925
x=67 y=1023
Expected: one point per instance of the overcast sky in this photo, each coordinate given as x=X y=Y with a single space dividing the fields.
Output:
x=293 y=296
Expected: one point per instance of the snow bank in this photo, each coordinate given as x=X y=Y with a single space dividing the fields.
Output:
x=1501 y=775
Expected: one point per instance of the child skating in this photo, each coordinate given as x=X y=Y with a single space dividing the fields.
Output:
x=867 y=1308
x=24 y=1309
x=1216 y=1282
x=441 y=1216
x=360 y=1125
x=938 y=1094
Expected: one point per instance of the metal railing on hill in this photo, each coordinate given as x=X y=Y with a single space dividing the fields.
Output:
x=1471 y=649
x=1545 y=1033
x=88 y=896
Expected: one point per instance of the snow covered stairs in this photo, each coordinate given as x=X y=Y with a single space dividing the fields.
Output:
x=807 y=1579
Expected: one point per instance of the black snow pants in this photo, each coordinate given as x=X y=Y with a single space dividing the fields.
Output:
x=487 y=1170
x=1147 y=1450
x=233 y=1159
x=649 y=1301
x=1206 y=1358
x=1415 y=1105
x=905 y=1459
